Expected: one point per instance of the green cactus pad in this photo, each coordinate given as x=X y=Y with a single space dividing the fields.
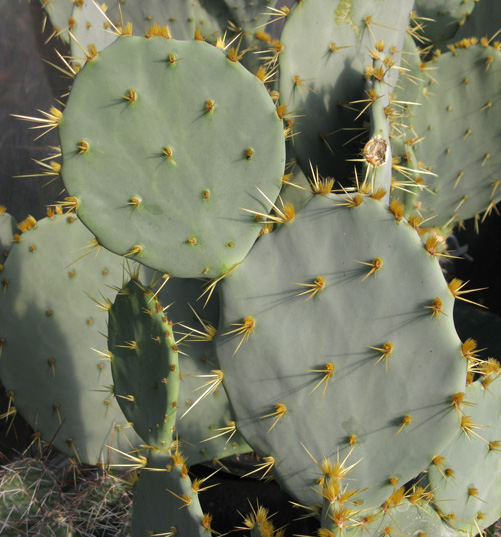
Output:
x=467 y=485
x=409 y=519
x=91 y=28
x=327 y=47
x=166 y=500
x=337 y=334
x=212 y=19
x=204 y=430
x=197 y=135
x=49 y=326
x=482 y=22
x=59 y=12
x=457 y=125
x=445 y=17
x=144 y=363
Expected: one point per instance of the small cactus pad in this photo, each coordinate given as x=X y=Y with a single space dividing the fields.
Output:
x=327 y=47
x=205 y=427
x=322 y=327
x=467 y=483
x=144 y=363
x=166 y=500
x=49 y=327
x=178 y=140
x=457 y=134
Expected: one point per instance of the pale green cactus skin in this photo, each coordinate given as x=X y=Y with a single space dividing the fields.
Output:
x=144 y=363
x=198 y=165
x=310 y=368
x=46 y=288
x=329 y=345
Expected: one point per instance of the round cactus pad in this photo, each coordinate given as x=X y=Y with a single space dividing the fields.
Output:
x=165 y=145
x=337 y=334
x=49 y=326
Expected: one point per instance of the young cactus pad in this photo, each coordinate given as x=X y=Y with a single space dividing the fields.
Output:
x=144 y=363
x=337 y=334
x=165 y=143
x=205 y=426
x=48 y=328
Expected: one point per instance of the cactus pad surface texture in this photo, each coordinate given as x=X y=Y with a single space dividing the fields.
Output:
x=165 y=143
x=49 y=325
x=303 y=389
x=327 y=47
x=457 y=133
x=144 y=363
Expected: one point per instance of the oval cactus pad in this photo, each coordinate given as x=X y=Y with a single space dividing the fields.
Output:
x=165 y=143
x=322 y=339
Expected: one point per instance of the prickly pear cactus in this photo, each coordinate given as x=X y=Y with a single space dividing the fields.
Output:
x=144 y=363
x=198 y=138
x=205 y=428
x=293 y=371
x=443 y=18
x=59 y=12
x=456 y=135
x=320 y=39
x=48 y=282
x=166 y=499
x=465 y=482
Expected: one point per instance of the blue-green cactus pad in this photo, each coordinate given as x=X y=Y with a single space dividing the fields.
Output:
x=294 y=334
x=171 y=165
x=327 y=46
x=50 y=326
x=447 y=16
x=484 y=21
x=473 y=491
x=59 y=12
x=458 y=124
x=158 y=507
x=409 y=520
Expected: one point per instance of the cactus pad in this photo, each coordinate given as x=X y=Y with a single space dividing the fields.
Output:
x=144 y=363
x=467 y=485
x=164 y=144
x=458 y=136
x=206 y=430
x=327 y=47
x=49 y=326
x=302 y=387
